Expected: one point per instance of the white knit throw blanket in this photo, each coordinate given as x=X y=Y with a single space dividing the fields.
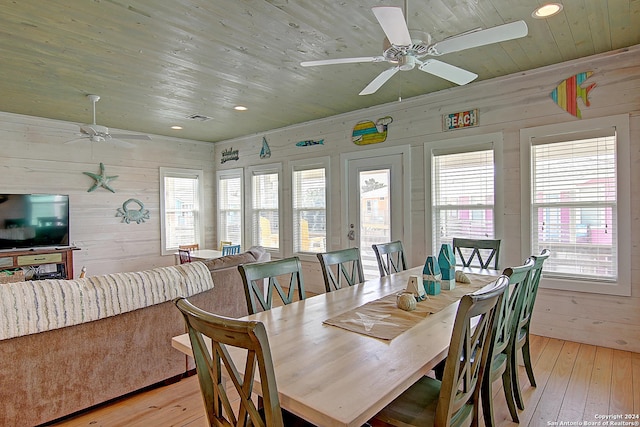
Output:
x=40 y=305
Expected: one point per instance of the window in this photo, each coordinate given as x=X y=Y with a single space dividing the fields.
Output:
x=309 y=187
x=463 y=182
x=264 y=215
x=230 y=198
x=578 y=203
x=180 y=196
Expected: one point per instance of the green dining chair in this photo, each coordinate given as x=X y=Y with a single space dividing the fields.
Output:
x=259 y=294
x=482 y=250
x=390 y=257
x=502 y=347
x=523 y=325
x=212 y=361
x=454 y=401
x=341 y=266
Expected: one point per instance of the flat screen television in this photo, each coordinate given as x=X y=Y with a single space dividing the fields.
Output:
x=34 y=220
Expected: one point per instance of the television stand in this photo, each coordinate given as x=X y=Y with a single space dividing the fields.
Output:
x=62 y=257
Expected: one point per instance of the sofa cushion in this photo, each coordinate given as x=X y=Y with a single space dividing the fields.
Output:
x=41 y=305
x=253 y=254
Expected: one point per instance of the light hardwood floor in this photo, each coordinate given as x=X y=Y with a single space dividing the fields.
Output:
x=577 y=383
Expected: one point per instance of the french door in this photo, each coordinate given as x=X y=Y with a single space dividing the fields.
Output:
x=375 y=200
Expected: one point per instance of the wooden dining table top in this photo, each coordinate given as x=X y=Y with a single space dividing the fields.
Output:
x=334 y=377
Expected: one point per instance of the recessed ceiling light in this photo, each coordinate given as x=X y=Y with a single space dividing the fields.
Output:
x=547 y=10
x=240 y=108
x=176 y=127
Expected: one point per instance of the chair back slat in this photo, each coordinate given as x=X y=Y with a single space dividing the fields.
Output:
x=341 y=266
x=230 y=250
x=484 y=251
x=390 y=257
x=210 y=363
x=192 y=247
x=254 y=275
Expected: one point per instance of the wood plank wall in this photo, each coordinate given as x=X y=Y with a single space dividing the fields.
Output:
x=36 y=159
x=506 y=105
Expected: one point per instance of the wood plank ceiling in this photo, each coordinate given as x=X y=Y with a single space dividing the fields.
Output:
x=155 y=62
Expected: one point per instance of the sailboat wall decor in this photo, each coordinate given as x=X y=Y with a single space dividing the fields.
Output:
x=265 y=151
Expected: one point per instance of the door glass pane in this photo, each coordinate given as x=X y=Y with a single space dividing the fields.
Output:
x=375 y=216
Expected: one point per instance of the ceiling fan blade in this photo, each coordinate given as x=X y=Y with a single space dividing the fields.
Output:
x=392 y=21
x=446 y=71
x=130 y=136
x=342 y=61
x=379 y=81
x=464 y=41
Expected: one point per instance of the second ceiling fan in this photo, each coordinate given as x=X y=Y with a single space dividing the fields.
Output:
x=405 y=49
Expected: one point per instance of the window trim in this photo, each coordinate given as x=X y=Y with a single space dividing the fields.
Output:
x=622 y=286
x=181 y=173
x=230 y=174
x=248 y=211
x=460 y=145
x=306 y=164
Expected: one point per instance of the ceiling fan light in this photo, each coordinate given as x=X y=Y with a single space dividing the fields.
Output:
x=546 y=11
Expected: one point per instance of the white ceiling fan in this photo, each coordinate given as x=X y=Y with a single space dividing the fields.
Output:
x=97 y=133
x=404 y=48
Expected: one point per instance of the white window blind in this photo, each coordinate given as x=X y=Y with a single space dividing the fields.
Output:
x=181 y=208
x=230 y=196
x=309 y=210
x=265 y=216
x=574 y=205
x=463 y=195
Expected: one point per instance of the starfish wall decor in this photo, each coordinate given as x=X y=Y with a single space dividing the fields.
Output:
x=102 y=180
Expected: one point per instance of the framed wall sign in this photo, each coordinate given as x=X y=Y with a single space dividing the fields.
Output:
x=463 y=119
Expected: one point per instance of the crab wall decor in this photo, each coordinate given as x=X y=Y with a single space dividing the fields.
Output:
x=133 y=215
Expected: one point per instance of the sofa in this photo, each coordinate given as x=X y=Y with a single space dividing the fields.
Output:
x=67 y=345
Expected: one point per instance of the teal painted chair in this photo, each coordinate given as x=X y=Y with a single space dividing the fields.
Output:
x=455 y=400
x=390 y=257
x=212 y=361
x=524 y=323
x=482 y=250
x=230 y=250
x=503 y=345
x=340 y=267
x=263 y=276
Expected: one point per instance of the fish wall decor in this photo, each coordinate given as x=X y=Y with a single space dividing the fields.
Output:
x=368 y=132
x=566 y=94
x=310 y=142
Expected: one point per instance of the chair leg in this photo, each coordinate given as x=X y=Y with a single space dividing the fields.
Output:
x=487 y=401
x=526 y=356
x=508 y=395
x=515 y=384
x=439 y=370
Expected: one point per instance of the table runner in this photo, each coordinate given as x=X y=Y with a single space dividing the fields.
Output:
x=384 y=320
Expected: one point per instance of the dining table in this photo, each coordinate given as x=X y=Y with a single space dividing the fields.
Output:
x=334 y=376
x=201 y=255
